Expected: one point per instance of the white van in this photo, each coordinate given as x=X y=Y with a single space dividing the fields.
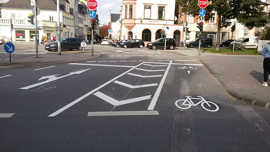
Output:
x=249 y=42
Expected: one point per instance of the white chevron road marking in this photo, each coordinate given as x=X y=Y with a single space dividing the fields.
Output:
x=151 y=65
x=5 y=76
x=145 y=76
x=135 y=86
x=122 y=113
x=115 y=102
x=147 y=70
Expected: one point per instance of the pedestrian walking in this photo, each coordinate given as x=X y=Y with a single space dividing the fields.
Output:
x=266 y=63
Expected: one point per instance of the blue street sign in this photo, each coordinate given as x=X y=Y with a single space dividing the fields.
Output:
x=202 y=12
x=109 y=30
x=92 y=14
x=9 y=47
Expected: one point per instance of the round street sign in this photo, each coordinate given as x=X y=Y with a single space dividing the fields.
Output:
x=9 y=47
x=92 y=4
x=203 y=3
x=202 y=12
x=92 y=14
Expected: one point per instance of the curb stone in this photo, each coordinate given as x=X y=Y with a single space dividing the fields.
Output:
x=236 y=95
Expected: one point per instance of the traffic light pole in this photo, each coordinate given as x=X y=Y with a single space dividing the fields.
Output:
x=36 y=28
x=58 y=28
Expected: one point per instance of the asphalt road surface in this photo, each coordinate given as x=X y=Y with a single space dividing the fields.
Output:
x=125 y=105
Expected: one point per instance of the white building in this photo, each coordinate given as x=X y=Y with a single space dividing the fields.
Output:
x=115 y=25
x=14 y=20
x=149 y=20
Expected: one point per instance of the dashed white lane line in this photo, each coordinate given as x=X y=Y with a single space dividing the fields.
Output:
x=90 y=93
x=135 y=86
x=147 y=70
x=6 y=115
x=159 y=89
x=115 y=102
x=5 y=76
x=122 y=113
x=145 y=76
x=102 y=65
x=49 y=67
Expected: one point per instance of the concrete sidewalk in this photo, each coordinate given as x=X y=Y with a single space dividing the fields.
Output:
x=242 y=77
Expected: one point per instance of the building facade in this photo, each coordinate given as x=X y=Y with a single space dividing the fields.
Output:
x=149 y=20
x=15 y=26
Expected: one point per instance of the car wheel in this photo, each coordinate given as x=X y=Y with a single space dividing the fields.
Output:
x=154 y=47
x=172 y=47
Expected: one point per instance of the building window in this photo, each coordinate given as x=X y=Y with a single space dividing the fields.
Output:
x=161 y=12
x=130 y=35
x=67 y=7
x=126 y=10
x=146 y=35
x=213 y=18
x=213 y=37
x=20 y=35
x=147 y=11
x=130 y=11
x=51 y=18
x=0 y=13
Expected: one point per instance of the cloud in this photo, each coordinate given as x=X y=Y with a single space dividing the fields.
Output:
x=3 y=1
x=104 y=8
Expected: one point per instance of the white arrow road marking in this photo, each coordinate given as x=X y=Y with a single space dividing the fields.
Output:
x=91 y=92
x=147 y=70
x=157 y=93
x=44 y=68
x=142 y=76
x=102 y=65
x=135 y=86
x=151 y=65
x=6 y=115
x=115 y=102
x=52 y=78
x=122 y=113
x=5 y=76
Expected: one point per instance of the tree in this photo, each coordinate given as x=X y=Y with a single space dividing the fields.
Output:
x=104 y=31
x=248 y=12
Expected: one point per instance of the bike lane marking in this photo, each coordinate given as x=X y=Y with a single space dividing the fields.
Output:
x=90 y=93
x=159 y=89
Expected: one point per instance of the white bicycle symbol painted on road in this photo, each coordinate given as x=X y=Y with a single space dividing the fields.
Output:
x=189 y=102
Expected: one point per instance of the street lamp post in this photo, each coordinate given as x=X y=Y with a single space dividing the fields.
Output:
x=36 y=29
x=58 y=28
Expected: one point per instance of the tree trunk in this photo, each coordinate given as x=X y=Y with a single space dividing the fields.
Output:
x=218 y=35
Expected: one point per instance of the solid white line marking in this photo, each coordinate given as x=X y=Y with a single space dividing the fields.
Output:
x=142 y=76
x=122 y=113
x=175 y=63
x=184 y=60
x=135 y=86
x=115 y=102
x=5 y=76
x=151 y=65
x=44 y=68
x=103 y=65
x=89 y=93
x=157 y=93
x=52 y=78
x=147 y=70
x=6 y=115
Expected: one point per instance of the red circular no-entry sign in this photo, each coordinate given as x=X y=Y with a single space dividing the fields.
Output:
x=203 y=3
x=92 y=4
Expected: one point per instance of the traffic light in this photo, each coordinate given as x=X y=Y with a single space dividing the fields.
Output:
x=200 y=26
x=31 y=18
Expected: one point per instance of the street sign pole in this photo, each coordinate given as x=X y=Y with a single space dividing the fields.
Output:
x=92 y=41
x=58 y=28
x=36 y=28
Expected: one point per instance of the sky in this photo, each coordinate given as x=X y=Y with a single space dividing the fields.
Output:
x=104 y=8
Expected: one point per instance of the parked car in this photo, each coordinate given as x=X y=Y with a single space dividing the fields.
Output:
x=106 y=42
x=226 y=43
x=245 y=43
x=132 y=43
x=66 y=44
x=205 y=42
x=160 y=44
x=117 y=43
